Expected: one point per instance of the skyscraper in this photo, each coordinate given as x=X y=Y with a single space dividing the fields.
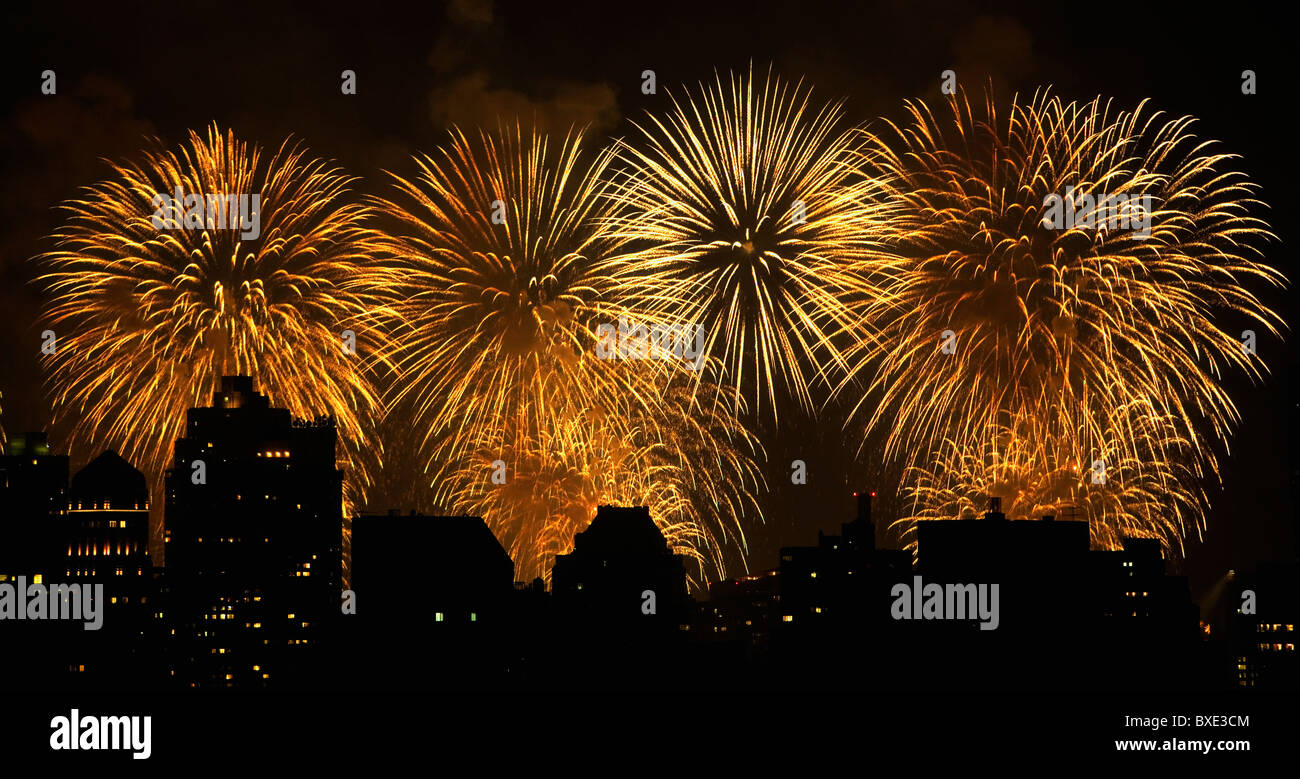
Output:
x=33 y=508
x=253 y=536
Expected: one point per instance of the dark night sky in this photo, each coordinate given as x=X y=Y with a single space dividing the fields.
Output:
x=268 y=72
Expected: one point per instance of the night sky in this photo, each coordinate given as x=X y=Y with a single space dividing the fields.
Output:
x=269 y=72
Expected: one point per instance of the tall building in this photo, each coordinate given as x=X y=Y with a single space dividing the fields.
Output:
x=108 y=543
x=1262 y=626
x=33 y=509
x=33 y=532
x=108 y=521
x=253 y=536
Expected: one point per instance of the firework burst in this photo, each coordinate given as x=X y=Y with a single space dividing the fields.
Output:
x=989 y=318
x=497 y=261
x=743 y=214
x=149 y=318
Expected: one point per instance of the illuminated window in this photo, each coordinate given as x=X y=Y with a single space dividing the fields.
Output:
x=38 y=578
x=437 y=617
x=473 y=617
x=787 y=618
x=812 y=575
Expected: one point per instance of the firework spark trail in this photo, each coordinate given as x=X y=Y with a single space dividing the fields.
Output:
x=680 y=465
x=1065 y=327
x=497 y=260
x=1146 y=489
x=148 y=319
x=743 y=211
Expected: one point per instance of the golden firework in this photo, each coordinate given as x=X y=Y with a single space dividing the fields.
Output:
x=743 y=213
x=995 y=315
x=497 y=259
x=153 y=299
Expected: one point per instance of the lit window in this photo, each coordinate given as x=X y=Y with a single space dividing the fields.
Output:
x=38 y=578
x=787 y=618
x=437 y=617
x=473 y=617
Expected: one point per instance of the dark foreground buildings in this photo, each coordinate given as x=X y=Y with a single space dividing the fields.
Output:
x=252 y=595
x=432 y=604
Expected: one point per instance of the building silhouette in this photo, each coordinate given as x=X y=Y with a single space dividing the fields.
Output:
x=253 y=536
x=33 y=532
x=616 y=562
x=251 y=593
x=108 y=521
x=1262 y=627
x=33 y=509
x=823 y=601
x=620 y=601
x=108 y=543
x=434 y=602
